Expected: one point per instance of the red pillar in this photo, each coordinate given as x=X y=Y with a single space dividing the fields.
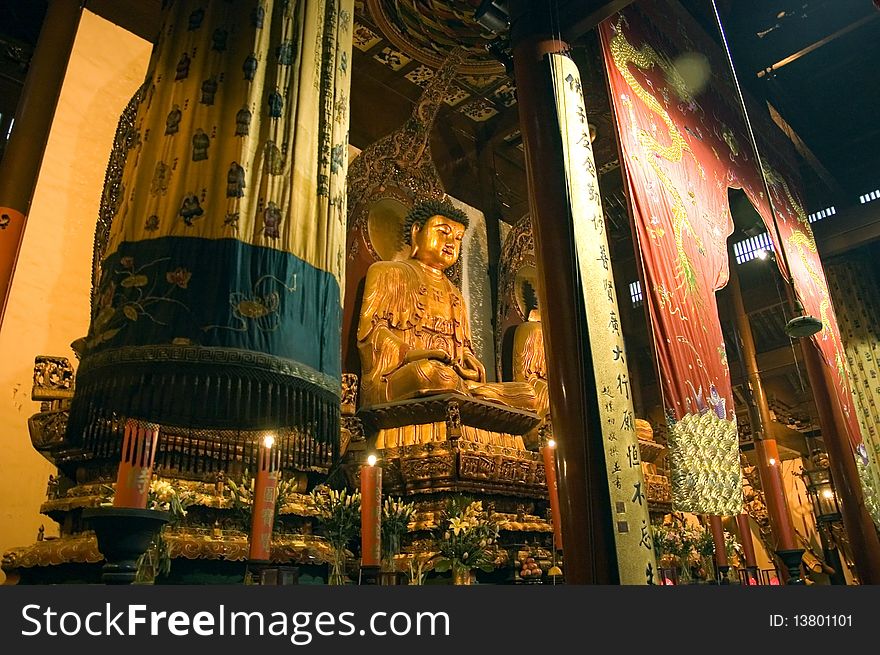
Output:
x=721 y=562
x=768 y=462
x=33 y=119
x=590 y=556
x=856 y=519
x=748 y=545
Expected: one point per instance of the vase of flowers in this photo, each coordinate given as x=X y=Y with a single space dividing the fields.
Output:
x=396 y=517
x=462 y=574
x=679 y=540
x=465 y=540
x=704 y=547
x=339 y=513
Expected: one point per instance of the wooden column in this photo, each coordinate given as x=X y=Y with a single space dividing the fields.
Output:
x=748 y=545
x=759 y=417
x=33 y=119
x=721 y=563
x=583 y=487
x=856 y=519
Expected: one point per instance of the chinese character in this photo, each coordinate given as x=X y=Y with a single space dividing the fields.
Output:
x=627 y=421
x=598 y=219
x=646 y=539
x=649 y=573
x=632 y=454
x=617 y=351
x=615 y=468
x=142 y=480
x=614 y=324
x=638 y=495
x=603 y=257
x=617 y=482
x=623 y=384
x=609 y=288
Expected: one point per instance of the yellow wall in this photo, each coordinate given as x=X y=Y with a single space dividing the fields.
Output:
x=49 y=301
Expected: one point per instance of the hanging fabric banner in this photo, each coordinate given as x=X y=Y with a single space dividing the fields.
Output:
x=683 y=148
x=218 y=290
x=857 y=303
x=682 y=225
x=632 y=529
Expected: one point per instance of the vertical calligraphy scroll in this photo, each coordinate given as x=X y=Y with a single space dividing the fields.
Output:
x=632 y=532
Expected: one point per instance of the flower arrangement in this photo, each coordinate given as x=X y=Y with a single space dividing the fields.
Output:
x=465 y=538
x=703 y=542
x=685 y=542
x=692 y=545
x=339 y=513
x=165 y=496
x=732 y=546
x=396 y=517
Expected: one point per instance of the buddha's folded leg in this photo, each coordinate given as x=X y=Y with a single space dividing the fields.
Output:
x=423 y=377
x=514 y=394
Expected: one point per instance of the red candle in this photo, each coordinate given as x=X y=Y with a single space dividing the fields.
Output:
x=371 y=513
x=136 y=465
x=549 y=453
x=263 y=507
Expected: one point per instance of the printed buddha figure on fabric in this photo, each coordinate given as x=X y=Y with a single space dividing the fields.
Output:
x=413 y=336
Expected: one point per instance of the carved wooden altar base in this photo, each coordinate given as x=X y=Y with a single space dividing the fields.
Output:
x=210 y=544
x=454 y=443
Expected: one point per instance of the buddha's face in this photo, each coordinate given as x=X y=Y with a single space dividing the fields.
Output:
x=438 y=242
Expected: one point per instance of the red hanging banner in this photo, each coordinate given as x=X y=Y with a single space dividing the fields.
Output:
x=684 y=146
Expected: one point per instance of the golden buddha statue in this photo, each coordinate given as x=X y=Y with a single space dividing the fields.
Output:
x=413 y=336
x=529 y=361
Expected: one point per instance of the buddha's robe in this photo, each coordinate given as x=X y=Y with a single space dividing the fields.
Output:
x=530 y=362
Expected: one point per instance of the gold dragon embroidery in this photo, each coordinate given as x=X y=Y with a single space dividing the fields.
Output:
x=624 y=53
x=803 y=241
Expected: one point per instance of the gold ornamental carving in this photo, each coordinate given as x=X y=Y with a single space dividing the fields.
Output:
x=53 y=378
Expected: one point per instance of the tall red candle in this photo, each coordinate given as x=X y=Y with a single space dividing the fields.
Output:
x=263 y=507
x=549 y=453
x=371 y=513
x=136 y=465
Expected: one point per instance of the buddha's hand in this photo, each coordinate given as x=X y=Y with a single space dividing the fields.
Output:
x=471 y=369
x=415 y=354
